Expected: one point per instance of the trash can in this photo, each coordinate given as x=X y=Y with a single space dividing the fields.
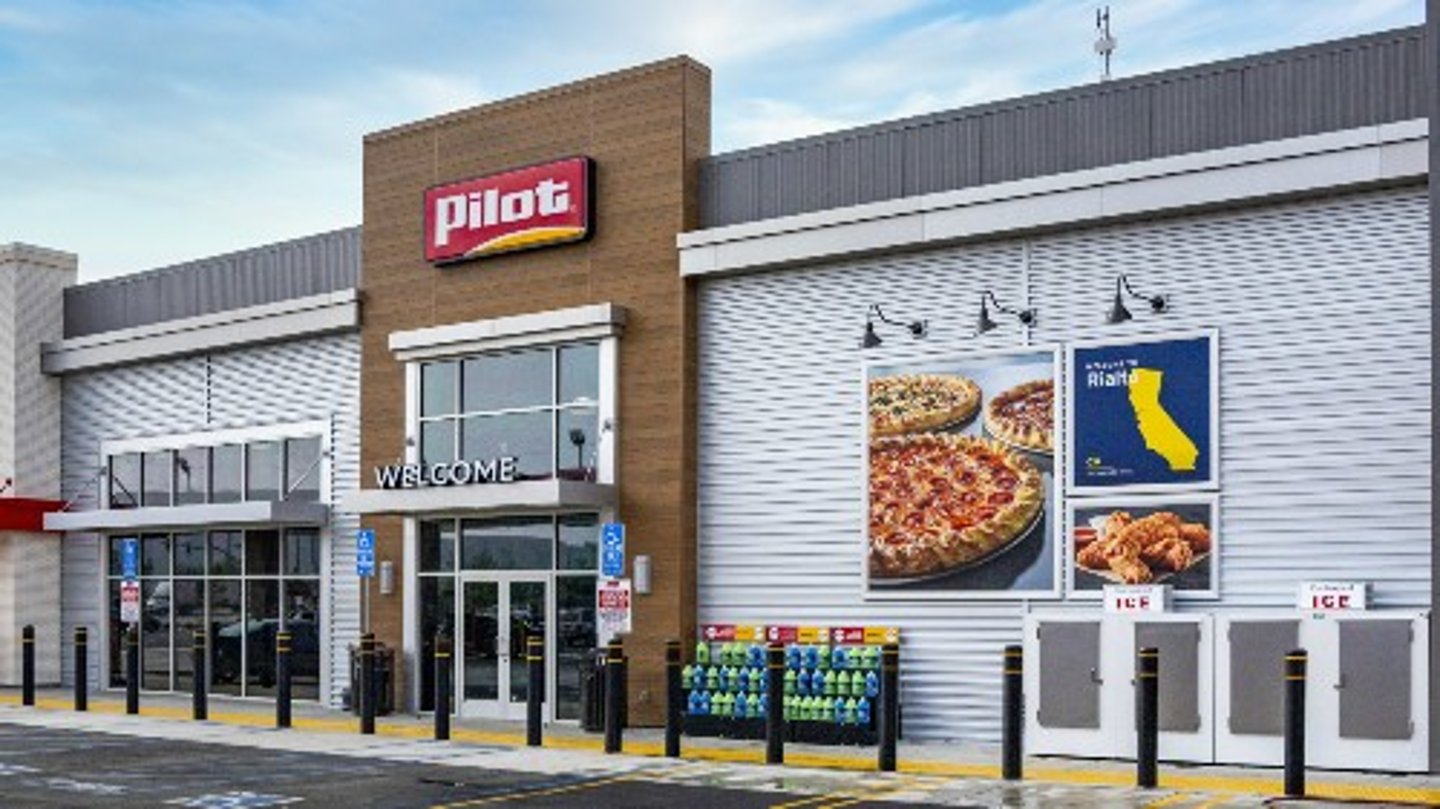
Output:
x=592 y=693
x=385 y=680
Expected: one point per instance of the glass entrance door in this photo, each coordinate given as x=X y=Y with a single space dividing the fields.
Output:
x=498 y=612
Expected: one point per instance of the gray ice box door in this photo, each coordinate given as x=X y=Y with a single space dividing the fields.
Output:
x=1257 y=671
x=1375 y=679
x=1069 y=674
x=1179 y=647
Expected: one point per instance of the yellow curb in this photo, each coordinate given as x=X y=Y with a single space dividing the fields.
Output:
x=1230 y=785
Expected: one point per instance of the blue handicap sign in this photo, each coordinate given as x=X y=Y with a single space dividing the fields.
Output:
x=365 y=553
x=130 y=558
x=612 y=549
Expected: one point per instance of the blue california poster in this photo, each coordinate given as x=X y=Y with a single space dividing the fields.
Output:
x=1142 y=414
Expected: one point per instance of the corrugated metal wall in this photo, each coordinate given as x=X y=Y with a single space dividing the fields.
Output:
x=1324 y=314
x=312 y=265
x=305 y=380
x=1373 y=79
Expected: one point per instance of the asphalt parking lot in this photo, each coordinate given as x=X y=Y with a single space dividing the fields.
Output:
x=45 y=767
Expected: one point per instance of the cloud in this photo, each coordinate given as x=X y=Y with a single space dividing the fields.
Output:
x=197 y=127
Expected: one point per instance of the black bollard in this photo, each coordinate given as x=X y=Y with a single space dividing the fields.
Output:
x=82 y=670
x=200 y=694
x=674 y=698
x=535 y=694
x=132 y=670
x=367 y=683
x=614 y=695
x=27 y=665
x=1012 y=725
x=889 y=705
x=442 y=687
x=1295 y=664
x=775 y=704
x=1147 y=716
x=283 y=641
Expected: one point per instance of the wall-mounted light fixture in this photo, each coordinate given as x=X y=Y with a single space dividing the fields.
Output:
x=1120 y=314
x=984 y=323
x=917 y=328
x=641 y=569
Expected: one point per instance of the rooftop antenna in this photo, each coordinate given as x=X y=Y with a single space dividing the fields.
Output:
x=1104 y=43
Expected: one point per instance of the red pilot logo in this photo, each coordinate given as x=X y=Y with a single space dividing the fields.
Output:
x=529 y=207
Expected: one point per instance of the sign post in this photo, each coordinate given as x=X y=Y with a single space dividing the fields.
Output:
x=365 y=569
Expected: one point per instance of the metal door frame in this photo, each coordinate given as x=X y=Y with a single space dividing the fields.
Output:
x=502 y=707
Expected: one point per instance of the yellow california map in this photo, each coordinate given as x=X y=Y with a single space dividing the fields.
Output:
x=1162 y=435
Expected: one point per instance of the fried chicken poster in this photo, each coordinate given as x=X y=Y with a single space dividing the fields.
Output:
x=1139 y=540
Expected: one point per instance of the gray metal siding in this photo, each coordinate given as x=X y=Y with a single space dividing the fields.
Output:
x=1325 y=347
x=326 y=262
x=1330 y=86
x=303 y=380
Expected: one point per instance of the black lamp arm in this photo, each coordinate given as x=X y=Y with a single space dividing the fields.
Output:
x=916 y=327
x=1122 y=283
x=1027 y=316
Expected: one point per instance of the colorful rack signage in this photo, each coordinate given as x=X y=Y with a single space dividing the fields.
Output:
x=788 y=634
x=1144 y=414
x=535 y=206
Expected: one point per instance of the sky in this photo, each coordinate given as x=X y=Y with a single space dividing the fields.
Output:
x=145 y=133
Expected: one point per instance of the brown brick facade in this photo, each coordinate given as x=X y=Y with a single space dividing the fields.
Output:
x=646 y=129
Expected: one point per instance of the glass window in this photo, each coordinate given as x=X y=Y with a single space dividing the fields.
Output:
x=225 y=553
x=302 y=552
x=226 y=636
x=579 y=542
x=302 y=620
x=262 y=553
x=262 y=621
x=574 y=638
x=438 y=386
x=155 y=555
x=125 y=480
x=579 y=374
x=155 y=635
x=192 y=475
x=513 y=543
x=188 y=596
x=302 y=469
x=156 y=483
x=262 y=470
x=437 y=546
x=524 y=436
x=437 y=441
x=189 y=554
x=225 y=476
x=577 y=452
x=504 y=381
x=173 y=608
x=437 y=614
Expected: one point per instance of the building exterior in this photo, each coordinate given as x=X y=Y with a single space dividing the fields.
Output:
x=561 y=312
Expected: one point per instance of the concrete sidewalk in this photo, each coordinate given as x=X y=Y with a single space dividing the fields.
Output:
x=948 y=759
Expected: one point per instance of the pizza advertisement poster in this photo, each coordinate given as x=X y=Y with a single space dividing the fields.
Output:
x=1145 y=539
x=1144 y=414
x=961 y=481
